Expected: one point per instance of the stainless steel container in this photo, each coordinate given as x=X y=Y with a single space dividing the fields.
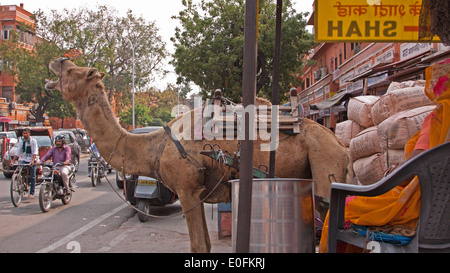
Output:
x=282 y=216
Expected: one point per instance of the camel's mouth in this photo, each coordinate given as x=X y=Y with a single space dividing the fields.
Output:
x=51 y=85
x=55 y=67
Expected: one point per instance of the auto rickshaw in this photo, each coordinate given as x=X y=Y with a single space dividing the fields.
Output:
x=151 y=192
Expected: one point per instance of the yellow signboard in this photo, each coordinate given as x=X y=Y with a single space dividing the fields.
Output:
x=367 y=21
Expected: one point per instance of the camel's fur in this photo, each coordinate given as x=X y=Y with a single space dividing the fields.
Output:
x=314 y=152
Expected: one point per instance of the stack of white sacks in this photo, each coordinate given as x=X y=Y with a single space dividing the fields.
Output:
x=378 y=128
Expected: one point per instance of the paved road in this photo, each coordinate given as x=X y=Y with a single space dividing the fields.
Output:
x=96 y=220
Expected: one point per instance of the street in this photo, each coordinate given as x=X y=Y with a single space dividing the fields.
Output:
x=97 y=220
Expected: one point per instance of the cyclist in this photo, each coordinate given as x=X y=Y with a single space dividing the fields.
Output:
x=26 y=153
x=60 y=153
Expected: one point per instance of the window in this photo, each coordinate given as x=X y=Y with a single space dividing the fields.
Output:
x=69 y=139
x=43 y=140
x=5 y=35
x=7 y=92
x=345 y=51
x=26 y=37
x=6 y=32
x=357 y=47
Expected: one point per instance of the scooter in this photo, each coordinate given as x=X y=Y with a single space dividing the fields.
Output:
x=151 y=192
x=52 y=187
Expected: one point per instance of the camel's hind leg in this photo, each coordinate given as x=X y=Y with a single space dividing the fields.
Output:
x=196 y=222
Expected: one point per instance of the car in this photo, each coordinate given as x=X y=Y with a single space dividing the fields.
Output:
x=82 y=139
x=43 y=136
x=11 y=137
x=11 y=140
x=131 y=180
x=71 y=141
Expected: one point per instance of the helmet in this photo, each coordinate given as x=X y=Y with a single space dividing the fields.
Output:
x=60 y=138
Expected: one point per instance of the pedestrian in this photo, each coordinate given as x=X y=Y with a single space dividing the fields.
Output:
x=26 y=154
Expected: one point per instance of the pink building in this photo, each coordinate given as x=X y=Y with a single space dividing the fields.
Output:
x=338 y=71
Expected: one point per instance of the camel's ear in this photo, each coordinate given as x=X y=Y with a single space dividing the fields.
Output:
x=92 y=73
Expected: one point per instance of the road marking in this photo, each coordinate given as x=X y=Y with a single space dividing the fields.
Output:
x=81 y=230
x=116 y=240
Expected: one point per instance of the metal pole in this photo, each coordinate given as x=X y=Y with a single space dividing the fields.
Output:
x=132 y=86
x=276 y=78
x=132 y=80
x=132 y=48
x=248 y=98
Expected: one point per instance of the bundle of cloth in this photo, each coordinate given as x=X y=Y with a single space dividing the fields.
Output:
x=400 y=207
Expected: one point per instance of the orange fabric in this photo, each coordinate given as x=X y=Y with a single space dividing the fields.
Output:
x=423 y=143
x=401 y=205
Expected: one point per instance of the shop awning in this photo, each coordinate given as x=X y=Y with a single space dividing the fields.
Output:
x=331 y=101
x=396 y=66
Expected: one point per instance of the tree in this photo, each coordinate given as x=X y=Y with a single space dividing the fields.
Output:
x=141 y=112
x=29 y=70
x=152 y=107
x=105 y=42
x=209 y=47
x=100 y=37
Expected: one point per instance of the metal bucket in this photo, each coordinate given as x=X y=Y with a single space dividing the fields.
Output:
x=282 y=215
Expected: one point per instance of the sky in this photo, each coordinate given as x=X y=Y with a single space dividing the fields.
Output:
x=157 y=11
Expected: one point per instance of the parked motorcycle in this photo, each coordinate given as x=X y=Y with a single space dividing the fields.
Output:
x=52 y=187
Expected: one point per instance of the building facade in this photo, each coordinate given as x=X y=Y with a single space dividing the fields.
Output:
x=12 y=112
x=336 y=72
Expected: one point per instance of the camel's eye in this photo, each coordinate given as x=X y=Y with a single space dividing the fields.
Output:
x=74 y=72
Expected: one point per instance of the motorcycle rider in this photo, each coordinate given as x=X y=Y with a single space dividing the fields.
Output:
x=60 y=153
x=95 y=154
x=27 y=153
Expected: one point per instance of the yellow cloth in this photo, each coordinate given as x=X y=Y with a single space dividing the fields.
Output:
x=401 y=205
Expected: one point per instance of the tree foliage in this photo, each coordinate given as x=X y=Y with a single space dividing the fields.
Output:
x=29 y=70
x=209 y=46
x=102 y=39
x=152 y=108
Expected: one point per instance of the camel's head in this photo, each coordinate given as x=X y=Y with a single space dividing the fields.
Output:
x=75 y=82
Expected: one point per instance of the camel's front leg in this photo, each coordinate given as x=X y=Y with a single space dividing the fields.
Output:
x=195 y=220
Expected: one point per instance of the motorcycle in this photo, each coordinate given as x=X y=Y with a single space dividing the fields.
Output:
x=52 y=187
x=96 y=170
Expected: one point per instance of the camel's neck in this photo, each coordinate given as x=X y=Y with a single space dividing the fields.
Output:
x=115 y=144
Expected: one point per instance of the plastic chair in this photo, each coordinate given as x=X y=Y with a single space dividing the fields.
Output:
x=433 y=231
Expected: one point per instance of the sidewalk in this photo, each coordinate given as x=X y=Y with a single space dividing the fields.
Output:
x=166 y=235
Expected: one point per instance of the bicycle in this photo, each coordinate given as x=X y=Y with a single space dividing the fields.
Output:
x=20 y=183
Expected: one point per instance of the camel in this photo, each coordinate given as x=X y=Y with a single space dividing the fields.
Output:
x=314 y=152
